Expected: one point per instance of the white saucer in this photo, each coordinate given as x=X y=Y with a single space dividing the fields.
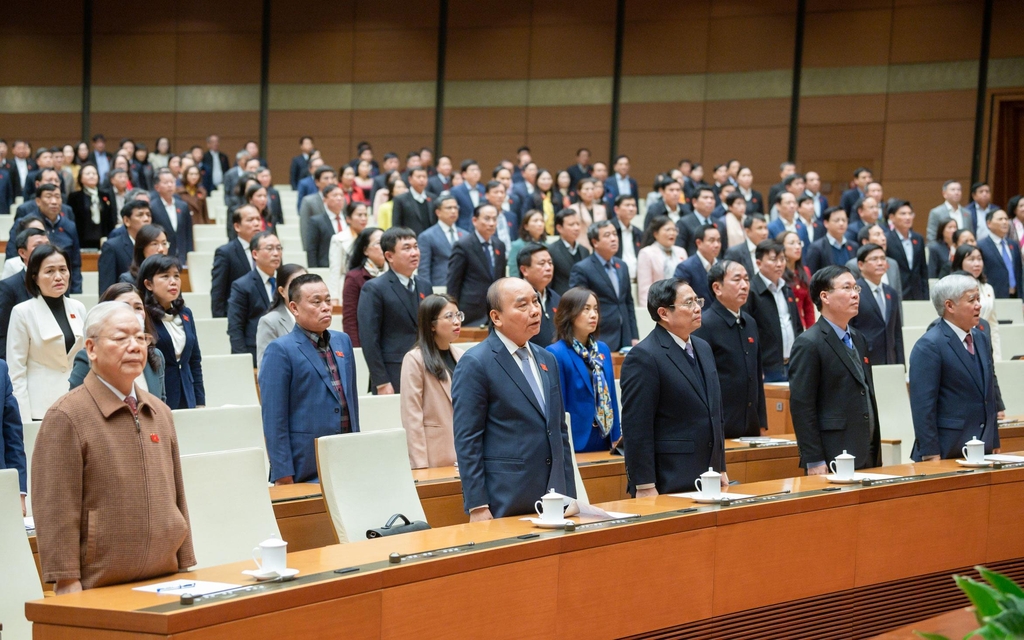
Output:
x=270 y=575
x=974 y=465
x=697 y=497
x=855 y=479
x=544 y=524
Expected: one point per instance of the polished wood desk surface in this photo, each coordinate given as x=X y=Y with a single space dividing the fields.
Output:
x=944 y=487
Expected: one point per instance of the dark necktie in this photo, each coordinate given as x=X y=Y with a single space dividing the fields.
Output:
x=969 y=341
x=490 y=256
x=412 y=285
x=273 y=284
x=133 y=404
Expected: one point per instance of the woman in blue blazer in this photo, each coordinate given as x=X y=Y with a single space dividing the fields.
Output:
x=160 y=282
x=586 y=373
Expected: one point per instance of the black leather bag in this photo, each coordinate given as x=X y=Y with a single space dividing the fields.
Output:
x=392 y=529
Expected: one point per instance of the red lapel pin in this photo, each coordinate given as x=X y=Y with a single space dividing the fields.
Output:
x=340 y=354
x=554 y=309
x=914 y=241
x=60 y=229
x=600 y=355
x=184 y=317
x=888 y=297
x=750 y=340
x=422 y=296
x=72 y=316
x=790 y=299
x=865 y=361
x=497 y=252
x=154 y=437
x=543 y=366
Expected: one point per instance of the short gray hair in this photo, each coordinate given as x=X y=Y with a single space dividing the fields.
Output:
x=952 y=287
x=98 y=316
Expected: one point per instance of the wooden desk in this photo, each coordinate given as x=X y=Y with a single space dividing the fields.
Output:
x=473 y=334
x=847 y=563
x=776 y=398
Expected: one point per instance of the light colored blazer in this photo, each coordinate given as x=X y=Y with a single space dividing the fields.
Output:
x=40 y=367
x=337 y=261
x=599 y=211
x=275 y=323
x=650 y=267
x=427 y=413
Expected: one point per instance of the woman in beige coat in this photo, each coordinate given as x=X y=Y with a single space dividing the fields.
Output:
x=427 y=384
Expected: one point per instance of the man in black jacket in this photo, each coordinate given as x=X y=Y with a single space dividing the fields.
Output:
x=535 y=266
x=772 y=304
x=566 y=251
x=413 y=209
x=476 y=261
x=118 y=251
x=233 y=260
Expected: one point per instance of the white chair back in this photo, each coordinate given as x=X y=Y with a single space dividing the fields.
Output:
x=208 y=430
x=19 y=580
x=918 y=313
x=440 y=288
x=212 y=334
x=208 y=245
x=1011 y=381
x=210 y=231
x=581 y=489
x=90 y=300
x=1011 y=340
x=30 y=431
x=362 y=371
x=200 y=270
x=200 y=303
x=895 y=419
x=91 y=282
x=380 y=413
x=644 y=324
x=1010 y=309
x=295 y=255
x=229 y=380
x=911 y=334
x=366 y=479
x=228 y=505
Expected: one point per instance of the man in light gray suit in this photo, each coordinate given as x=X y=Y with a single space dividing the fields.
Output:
x=231 y=178
x=313 y=204
x=437 y=241
x=951 y=193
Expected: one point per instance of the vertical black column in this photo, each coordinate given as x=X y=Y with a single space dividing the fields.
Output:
x=979 y=109
x=86 y=67
x=442 y=61
x=798 y=61
x=620 y=31
x=265 y=78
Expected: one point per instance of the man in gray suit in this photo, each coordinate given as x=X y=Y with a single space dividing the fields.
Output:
x=436 y=242
x=231 y=179
x=313 y=204
x=876 y=235
x=951 y=194
x=755 y=227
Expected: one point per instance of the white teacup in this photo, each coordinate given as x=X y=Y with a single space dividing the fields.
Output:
x=550 y=508
x=843 y=466
x=709 y=484
x=974 y=451
x=271 y=555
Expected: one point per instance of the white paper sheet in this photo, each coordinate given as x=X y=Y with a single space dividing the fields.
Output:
x=1002 y=457
x=764 y=441
x=194 y=587
x=574 y=507
x=30 y=524
x=694 y=495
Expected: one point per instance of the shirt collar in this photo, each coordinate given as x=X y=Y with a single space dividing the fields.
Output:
x=418 y=197
x=751 y=247
x=511 y=346
x=319 y=340
x=604 y=263
x=266 y=278
x=120 y=396
x=682 y=343
x=707 y=265
x=571 y=247
x=444 y=227
x=832 y=241
x=403 y=279
x=778 y=285
x=839 y=331
x=481 y=238
x=960 y=333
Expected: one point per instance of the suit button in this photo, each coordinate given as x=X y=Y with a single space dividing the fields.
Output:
x=549 y=432
x=861 y=392
x=547 y=461
x=865 y=416
x=337 y=410
x=711 y=445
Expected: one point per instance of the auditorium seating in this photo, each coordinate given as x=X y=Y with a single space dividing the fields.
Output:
x=199 y=303
x=212 y=334
x=918 y=313
x=205 y=430
x=1011 y=382
x=911 y=334
x=30 y=431
x=1010 y=310
x=229 y=380
x=379 y=413
x=1011 y=341
x=228 y=505
x=366 y=479
x=200 y=266
x=644 y=324
x=89 y=298
x=90 y=282
x=895 y=419
x=362 y=371
x=19 y=579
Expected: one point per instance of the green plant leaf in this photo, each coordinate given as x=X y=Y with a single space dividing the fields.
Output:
x=930 y=636
x=1009 y=622
x=1000 y=582
x=982 y=596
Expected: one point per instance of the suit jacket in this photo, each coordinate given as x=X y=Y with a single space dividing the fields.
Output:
x=915 y=279
x=563 y=263
x=275 y=323
x=274 y=210
x=30 y=208
x=319 y=232
x=311 y=205
x=756 y=202
x=510 y=449
x=436 y=186
x=115 y=258
x=611 y=190
x=411 y=214
x=577 y=173
x=741 y=254
x=12 y=443
x=427 y=413
x=952 y=394
x=90 y=232
x=461 y=195
x=687 y=238
x=658 y=386
x=300 y=403
x=995 y=267
x=181 y=241
x=16 y=176
x=761 y=307
x=547 y=332
x=207 y=168
x=883 y=334
x=737 y=350
x=183 y=378
x=940 y=214
x=777 y=226
x=578 y=396
x=246 y=305
x=387 y=324
x=848 y=201
x=618 y=314
x=469 y=275
x=692 y=270
x=6 y=191
x=12 y=293
x=832 y=398
x=637 y=238
x=435 y=250
x=231 y=178
x=820 y=254
x=299 y=169
x=39 y=363
x=229 y=264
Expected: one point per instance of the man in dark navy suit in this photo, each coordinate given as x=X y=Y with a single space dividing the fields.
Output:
x=117 y=252
x=703 y=205
x=880 y=317
x=388 y=310
x=834 y=248
x=620 y=183
x=1002 y=257
x=861 y=177
x=695 y=268
x=437 y=242
x=469 y=194
x=413 y=209
x=172 y=214
x=906 y=247
x=252 y=293
x=732 y=335
x=441 y=181
x=477 y=261
x=952 y=380
x=300 y=163
x=772 y=304
x=536 y=267
x=233 y=260
x=608 y=278
x=671 y=374
x=511 y=439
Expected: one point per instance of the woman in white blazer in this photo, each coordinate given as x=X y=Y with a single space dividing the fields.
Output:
x=45 y=333
x=659 y=257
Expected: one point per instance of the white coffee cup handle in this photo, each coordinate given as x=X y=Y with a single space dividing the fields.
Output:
x=537 y=508
x=832 y=466
x=697 y=483
x=964 y=451
x=258 y=560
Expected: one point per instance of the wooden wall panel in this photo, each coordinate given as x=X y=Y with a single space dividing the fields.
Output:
x=936 y=32
x=41 y=129
x=844 y=38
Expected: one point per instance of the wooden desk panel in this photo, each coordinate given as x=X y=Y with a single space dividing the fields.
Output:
x=776 y=398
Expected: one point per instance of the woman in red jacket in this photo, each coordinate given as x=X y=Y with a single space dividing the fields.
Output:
x=797 y=276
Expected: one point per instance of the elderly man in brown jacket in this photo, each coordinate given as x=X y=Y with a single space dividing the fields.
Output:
x=107 y=492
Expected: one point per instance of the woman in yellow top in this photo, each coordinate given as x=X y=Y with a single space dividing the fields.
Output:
x=396 y=188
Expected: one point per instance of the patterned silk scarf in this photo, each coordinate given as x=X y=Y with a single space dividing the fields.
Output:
x=604 y=417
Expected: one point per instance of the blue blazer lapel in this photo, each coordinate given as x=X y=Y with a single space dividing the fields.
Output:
x=581 y=367
x=965 y=358
x=309 y=351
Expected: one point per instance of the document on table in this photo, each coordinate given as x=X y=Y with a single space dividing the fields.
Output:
x=589 y=512
x=194 y=587
x=1002 y=457
x=30 y=524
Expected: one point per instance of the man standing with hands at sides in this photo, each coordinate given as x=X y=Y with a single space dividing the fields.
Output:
x=307 y=383
x=413 y=209
x=695 y=268
x=834 y=248
x=389 y=309
x=106 y=475
x=630 y=241
x=608 y=278
x=476 y=261
x=511 y=439
x=669 y=375
x=252 y=294
x=703 y=205
x=117 y=252
x=906 y=247
x=436 y=243
x=773 y=306
x=952 y=380
x=732 y=335
x=233 y=260
x=832 y=395
x=535 y=266
x=1002 y=257
x=566 y=252
x=879 y=318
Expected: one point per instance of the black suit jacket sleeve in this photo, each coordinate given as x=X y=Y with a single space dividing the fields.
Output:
x=804 y=374
x=640 y=400
x=7 y=302
x=238 y=315
x=371 y=315
x=220 y=286
x=457 y=263
x=400 y=212
x=107 y=268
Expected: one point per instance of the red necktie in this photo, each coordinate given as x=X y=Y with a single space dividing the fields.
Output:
x=337 y=221
x=969 y=341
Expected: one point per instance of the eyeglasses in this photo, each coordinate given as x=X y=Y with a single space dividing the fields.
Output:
x=689 y=304
x=274 y=249
x=454 y=315
x=143 y=339
x=854 y=288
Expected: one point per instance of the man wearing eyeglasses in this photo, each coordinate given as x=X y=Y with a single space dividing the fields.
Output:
x=880 y=318
x=773 y=306
x=671 y=398
x=832 y=397
x=251 y=294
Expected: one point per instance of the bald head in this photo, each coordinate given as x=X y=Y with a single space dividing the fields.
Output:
x=514 y=309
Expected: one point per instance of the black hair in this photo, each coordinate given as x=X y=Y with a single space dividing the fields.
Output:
x=1011 y=206
x=148 y=233
x=654 y=225
x=525 y=256
x=961 y=254
x=769 y=246
x=35 y=263
x=749 y=221
x=321 y=170
x=357 y=258
x=150 y=268
x=732 y=198
x=862 y=253
x=440 y=200
x=701 y=188
x=524 y=234
x=82 y=170
x=562 y=215
x=430 y=310
x=619 y=199
x=132 y=206
x=992 y=214
x=254 y=242
x=594 y=230
x=702 y=231
x=822 y=281
x=791 y=178
x=717 y=273
x=351 y=207
x=466 y=164
x=860 y=170
x=941 y=229
x=663 y=294
x=570 y=306
x=493 y=184
x=390 y=239
x=284 y=274
x=827 y=213
x=21 y=240
x=480 y=207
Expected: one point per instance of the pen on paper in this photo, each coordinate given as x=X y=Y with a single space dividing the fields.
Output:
x=187 y=585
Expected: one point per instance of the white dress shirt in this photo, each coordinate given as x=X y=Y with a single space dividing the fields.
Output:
x=628 y=250
x=474 y=196
x=172 y=213
x=247 y=252
x=512 y=348
x=217 y=171
x=908 y=247
x=957 y=214
x=960 y=334
x=266 y=284
x=783 y=307
x=625 y=189
x=22 y=165
x=450 y=234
